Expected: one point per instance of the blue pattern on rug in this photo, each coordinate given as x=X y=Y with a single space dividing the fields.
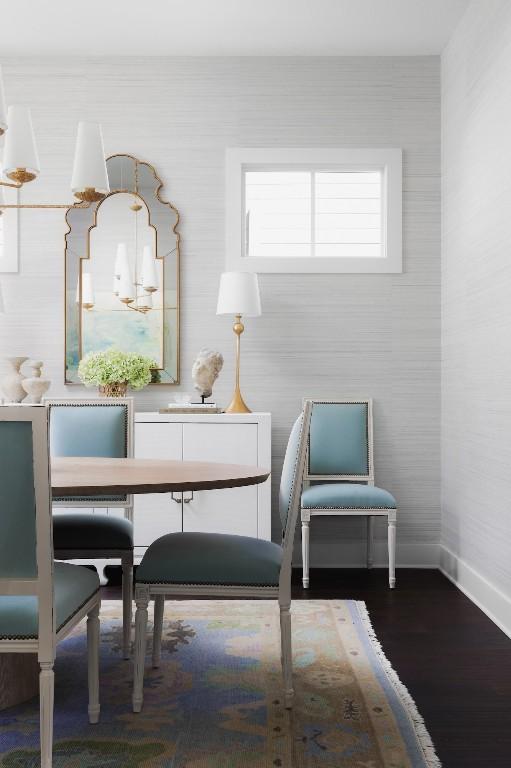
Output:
x=216 y=700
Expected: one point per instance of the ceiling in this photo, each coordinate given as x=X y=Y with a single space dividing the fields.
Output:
x=227 y=27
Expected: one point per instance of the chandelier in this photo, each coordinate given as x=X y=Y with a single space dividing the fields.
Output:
x=20 y=162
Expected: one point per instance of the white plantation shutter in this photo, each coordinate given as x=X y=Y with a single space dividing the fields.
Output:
x=304 y=214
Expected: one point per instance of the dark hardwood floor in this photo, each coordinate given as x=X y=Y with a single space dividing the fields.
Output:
x=454 y=661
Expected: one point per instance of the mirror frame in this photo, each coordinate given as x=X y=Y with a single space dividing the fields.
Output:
x=159 y=184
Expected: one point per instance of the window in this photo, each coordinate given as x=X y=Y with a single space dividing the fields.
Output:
x=314 y=210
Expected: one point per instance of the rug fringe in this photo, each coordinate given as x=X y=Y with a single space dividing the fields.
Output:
x=423 y=737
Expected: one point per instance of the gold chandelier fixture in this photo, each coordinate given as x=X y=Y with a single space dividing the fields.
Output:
x=20 y=162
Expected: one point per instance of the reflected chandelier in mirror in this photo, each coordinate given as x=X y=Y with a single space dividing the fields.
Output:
x=122 y=272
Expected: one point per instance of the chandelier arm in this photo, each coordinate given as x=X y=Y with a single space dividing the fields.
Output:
x=10 y=184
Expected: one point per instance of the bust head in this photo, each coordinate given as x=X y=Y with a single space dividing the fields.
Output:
x=205 y=370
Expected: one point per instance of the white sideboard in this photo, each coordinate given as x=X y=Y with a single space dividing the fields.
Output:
x=243 y=438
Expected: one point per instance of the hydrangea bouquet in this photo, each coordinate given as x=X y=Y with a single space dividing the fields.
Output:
x=114 y=371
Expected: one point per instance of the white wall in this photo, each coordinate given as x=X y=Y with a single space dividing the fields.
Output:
x=320 y=335
x=476 y=307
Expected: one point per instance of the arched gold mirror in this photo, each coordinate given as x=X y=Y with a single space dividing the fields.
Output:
x=122 y=273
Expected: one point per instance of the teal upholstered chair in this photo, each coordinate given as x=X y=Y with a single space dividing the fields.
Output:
x=223 y=565
x=102 y=427
x=339 y=474
x=40 y=602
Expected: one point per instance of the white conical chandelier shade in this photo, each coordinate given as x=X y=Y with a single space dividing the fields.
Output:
x=126 y=288
x=3 y=110
x=149 y=273
x=145 y=302
x=121 y=261
x=90 y=178
x=88 y=299
x=20 y=151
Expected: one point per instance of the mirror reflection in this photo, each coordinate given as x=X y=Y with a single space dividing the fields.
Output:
x=122 y=273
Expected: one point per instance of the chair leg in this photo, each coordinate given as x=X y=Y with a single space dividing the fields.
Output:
x=305 y=553
x=159 y=605
x=46 y=689
x=127 y=603
x=142 y=601
x=93 y=663
x=370 y=539
x=286 y=654
x=392 y=550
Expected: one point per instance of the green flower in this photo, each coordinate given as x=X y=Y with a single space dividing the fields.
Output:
x=112 y=367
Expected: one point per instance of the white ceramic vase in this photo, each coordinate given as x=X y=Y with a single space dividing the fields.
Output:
x=11 y=382
x=34 y=385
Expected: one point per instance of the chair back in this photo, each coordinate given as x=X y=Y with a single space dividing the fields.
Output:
x=26 y=549
x=291 y=488
x=340 y=444
x=101 y=427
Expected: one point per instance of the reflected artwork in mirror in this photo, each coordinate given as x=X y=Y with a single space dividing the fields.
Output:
x=122 y=273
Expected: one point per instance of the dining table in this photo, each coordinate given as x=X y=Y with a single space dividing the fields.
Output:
x=98 y=476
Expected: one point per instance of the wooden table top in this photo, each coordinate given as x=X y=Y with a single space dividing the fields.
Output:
x=80 y=476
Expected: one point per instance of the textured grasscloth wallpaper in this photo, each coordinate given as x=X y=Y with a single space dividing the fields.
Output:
x=320 y=335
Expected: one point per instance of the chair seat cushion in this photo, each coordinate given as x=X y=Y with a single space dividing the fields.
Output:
x=83 y=530
x=347 y=496
x=74 y=586
x=210 y=558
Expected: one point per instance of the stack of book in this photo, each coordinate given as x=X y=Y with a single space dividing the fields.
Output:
x=191 y=408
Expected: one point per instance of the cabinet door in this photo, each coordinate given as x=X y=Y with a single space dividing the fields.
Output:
x=230 y=510
x=157 y=513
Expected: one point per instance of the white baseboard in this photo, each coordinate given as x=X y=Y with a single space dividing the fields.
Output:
x=489 y=598
x=325 y=553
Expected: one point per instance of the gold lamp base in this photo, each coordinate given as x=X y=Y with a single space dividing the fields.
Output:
x=237 y=404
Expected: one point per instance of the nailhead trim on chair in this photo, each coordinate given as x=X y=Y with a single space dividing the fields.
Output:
x=35 y=637
x=323 y=506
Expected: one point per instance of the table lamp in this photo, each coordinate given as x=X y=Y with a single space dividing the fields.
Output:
x=238 y=295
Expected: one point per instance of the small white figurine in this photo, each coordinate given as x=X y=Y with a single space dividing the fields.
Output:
x=205 y=370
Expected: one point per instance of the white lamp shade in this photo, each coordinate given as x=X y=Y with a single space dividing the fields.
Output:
x=88 y=299
x=2 y=304
x=239 y=294
x=121 y=260
x=146 y=302
x=116 y=285
x=149 y=273
x=126 y=287
x=20 y=150
x=3 y=111
x=89 y=168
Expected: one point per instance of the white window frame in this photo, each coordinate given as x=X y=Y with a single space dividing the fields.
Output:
x=242 y=159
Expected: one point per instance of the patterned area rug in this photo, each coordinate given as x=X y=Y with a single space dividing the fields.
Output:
x=216 y=701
